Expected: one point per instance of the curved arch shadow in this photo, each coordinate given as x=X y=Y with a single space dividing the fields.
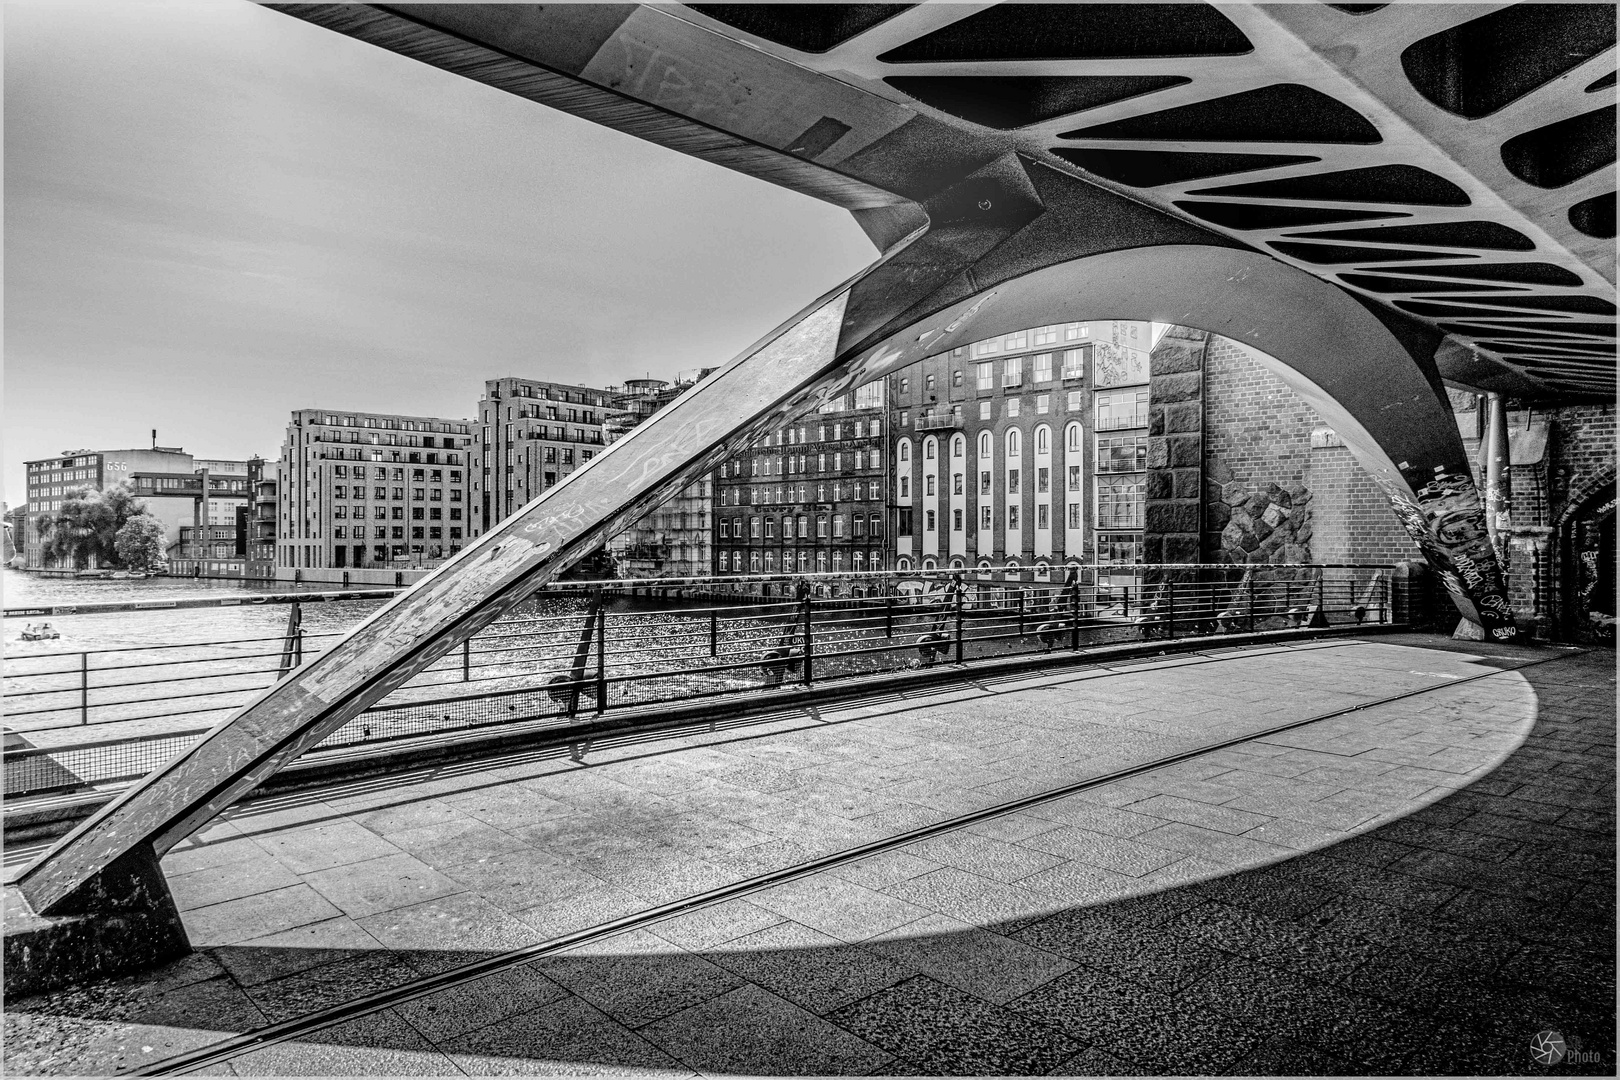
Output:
x=1417 y=943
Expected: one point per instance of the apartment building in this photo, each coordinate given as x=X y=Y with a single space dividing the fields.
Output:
x=811 y=497
x=371 y=491
x=530 y=434
x=1023 y=451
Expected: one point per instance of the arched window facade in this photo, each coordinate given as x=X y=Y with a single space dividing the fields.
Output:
x=958 y=446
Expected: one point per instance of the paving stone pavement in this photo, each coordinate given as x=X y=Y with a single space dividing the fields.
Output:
x=1417 y=887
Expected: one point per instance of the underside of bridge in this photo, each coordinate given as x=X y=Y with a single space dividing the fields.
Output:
x=1383 y=200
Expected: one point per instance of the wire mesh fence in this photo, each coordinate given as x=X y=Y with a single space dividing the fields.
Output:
x=582 y=650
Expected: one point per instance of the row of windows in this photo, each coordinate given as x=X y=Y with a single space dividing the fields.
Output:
x=448 y=426
x=790 y=464
x=58 y=476
x=864 y=428
x=339 y=491
x=1043 y=482
x=412 y=457
x=1121 y=504
x=757 y=562
x=836 y=491
x=397 y=532
x=381 y=513
x=552 y=394
x=1043 y=519
x=62 y=463
x=359 y=472
x=765 y=528
x=424 y=441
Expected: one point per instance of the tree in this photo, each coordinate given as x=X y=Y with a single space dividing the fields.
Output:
x=86 y=527
x=140 y=544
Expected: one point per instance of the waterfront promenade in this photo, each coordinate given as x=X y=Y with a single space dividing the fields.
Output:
x=1419 y=881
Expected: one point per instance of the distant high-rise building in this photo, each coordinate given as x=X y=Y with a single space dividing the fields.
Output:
x=371 y=491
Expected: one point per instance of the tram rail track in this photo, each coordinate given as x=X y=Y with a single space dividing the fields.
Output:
x=247 y=1042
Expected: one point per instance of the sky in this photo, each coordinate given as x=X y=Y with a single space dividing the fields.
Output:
x=216 y=214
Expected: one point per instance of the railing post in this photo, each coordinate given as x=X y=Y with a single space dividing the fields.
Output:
x=1074 y=615
x=601 y=659
x=1020 y=612
x=714 y=632
x=1251 y=603
x=298 y=647
x=1170 y=609
x=809 y=641
x=1321 y=597
x=466 y=660
x=1384 y=598
x=888 y=616
x=959 y=591
x=84 y=688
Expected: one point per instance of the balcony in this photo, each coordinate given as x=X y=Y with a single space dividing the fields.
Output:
x=939 y=422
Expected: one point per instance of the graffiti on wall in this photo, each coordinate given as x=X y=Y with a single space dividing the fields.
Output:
x=1447 y=522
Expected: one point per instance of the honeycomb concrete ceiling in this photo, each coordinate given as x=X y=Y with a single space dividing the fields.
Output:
x=1455 y=162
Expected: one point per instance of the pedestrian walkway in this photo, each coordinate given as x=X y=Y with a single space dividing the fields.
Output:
x=1415 y=886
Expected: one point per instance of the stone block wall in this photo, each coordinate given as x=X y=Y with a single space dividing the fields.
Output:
x=1175 y=483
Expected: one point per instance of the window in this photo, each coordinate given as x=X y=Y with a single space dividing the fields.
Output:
x=1074 y=362
x=1043 y=367
x=1122 y=409
x=753 y=527
x=1043 y=435
x=985 y=374
x=770 y=528
x=984 y=410
x=985 y=348
x=1019 y=340
x=1012 y=372
x=1012 y=481
x=380 y=493
x=871 y=489
x=417 y=514
x=928 y=485
x=1046 y=335
x=956 y=484
x=1074 y=331
x=875 y=523
x=725 y=529
x=1014 y=444
x=1075 y=520
x=984 y=482
x=1012 y=517
x=929 y=521
x=1120 y=502
x=1043 y=481
x=903 y=521
x=956 y=377
x=905 y=385
x=1072 y=434
x=1121 y=453
x=753 y=561
x=905 y=449
x=858 y=525
x=1119 y=547
x=928 y=449
x=1041 y=519
x=838 y=526
x=1074 y=478
x=928 y=381
x=956 y=521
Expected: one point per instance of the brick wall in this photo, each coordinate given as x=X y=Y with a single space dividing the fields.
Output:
x=1259 y=448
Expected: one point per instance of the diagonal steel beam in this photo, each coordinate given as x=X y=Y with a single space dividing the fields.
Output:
x=794 y=369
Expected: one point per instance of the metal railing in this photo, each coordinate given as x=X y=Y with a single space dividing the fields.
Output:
x=592 y=647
